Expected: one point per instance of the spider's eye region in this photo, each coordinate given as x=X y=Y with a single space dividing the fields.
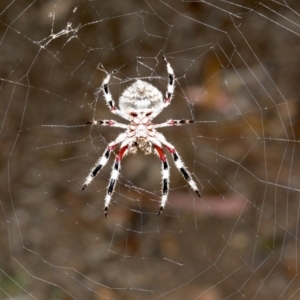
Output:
x=133 y=114
x=148 y=114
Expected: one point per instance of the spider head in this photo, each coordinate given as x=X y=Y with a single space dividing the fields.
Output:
x=140 y=98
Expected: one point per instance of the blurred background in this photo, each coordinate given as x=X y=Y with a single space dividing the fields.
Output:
x=237 y=75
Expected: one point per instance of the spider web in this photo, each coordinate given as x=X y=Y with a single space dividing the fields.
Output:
x=237 y=75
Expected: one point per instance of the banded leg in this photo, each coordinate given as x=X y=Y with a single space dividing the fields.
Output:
x=110 y=123
x=114 y=177
x=185 y=173
x=173 y=123
x=178 y=163
x=169 y=92
x=170 y=89
x=101 y=162
x=165 y=171
x=109 y=100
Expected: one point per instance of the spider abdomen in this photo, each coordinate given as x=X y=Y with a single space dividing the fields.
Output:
x=140 y=96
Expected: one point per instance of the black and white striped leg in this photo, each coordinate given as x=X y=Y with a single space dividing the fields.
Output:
x=165 y=171
x=178 y=162
x=109 y=100
x=107 y=95
x=173 y=123
x=170 y=89
x=111 y=123
x=169 y=92
x=185 y=173
x=113 y=178
x=101 y=162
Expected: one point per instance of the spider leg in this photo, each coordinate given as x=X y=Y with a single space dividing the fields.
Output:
x=178 y=163
x=114 y=176
x=110 y=123
x=165 y=176
x=109 y=100
x=173 y=123
x=101 y=162
x=169 y=92
x=170 y=89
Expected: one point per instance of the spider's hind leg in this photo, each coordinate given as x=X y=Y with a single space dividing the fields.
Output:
x=171 y=82
x=109 y=99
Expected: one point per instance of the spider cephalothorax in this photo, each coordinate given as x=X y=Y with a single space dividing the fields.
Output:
x=139 y=104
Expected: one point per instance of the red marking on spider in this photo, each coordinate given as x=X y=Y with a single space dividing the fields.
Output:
x=121 y=153
x=112 y=147
x=171 y=150
x=161 y=153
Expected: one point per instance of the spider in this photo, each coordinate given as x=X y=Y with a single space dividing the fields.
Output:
x=139 y=104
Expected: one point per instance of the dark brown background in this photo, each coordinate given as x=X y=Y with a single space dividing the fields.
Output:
x=237 y=77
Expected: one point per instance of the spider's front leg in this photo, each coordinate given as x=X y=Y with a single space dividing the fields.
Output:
x=101 y=162
x=114 y=176
x=178 y=163
x=165 y=176
x=185 y=173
